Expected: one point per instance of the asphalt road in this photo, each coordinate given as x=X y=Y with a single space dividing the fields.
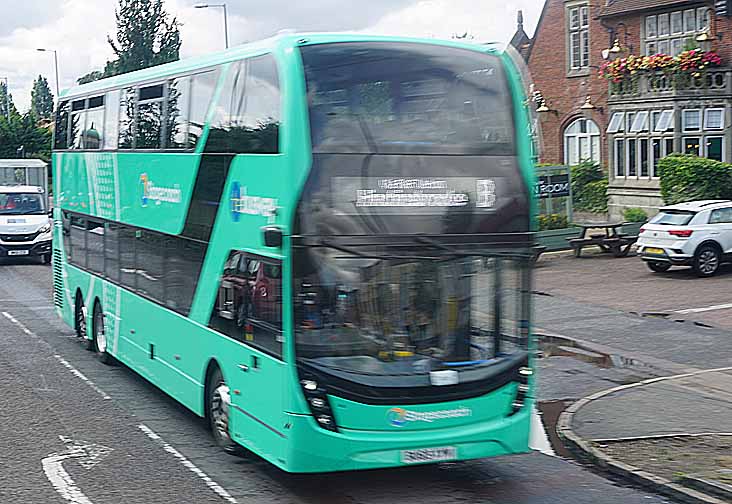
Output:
x=74 y=430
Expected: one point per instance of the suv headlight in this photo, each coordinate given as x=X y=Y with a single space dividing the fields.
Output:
x=45 y=229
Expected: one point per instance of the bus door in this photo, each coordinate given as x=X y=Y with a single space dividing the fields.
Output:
x=252 y=313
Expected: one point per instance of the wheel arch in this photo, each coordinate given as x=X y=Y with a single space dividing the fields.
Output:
x=709 y=243
x=212 y=365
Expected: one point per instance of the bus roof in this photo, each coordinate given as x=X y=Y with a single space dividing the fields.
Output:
x=251 y=49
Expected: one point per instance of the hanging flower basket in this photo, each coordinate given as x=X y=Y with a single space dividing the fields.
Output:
x=687 y=64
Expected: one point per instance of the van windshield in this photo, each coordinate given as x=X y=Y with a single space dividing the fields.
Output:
x=21 y=204
x=673 y=218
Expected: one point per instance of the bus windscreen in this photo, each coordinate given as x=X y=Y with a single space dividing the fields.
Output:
x=407 y=99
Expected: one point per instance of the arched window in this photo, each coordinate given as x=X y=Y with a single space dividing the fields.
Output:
x=581 y=142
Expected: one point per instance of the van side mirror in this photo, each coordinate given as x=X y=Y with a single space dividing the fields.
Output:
x=272 y=236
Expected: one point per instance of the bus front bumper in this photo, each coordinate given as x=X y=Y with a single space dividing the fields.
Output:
x=314 y=449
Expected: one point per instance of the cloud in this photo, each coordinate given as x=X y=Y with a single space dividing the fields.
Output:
x=78 y=29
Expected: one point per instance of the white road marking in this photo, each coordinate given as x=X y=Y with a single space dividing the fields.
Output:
x=218 y=489
x=60 y=359
x=705 y=309
x=538 y=439
x=88 y=454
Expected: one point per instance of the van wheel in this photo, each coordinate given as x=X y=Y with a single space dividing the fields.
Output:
x=46 y=258
x=218 y=411
x=658 y=266
x=706 y=261
x=100 y=336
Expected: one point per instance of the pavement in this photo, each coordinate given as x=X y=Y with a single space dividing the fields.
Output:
x=65 y=417
x=617 y=306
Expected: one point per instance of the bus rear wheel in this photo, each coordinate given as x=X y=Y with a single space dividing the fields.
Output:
x=100 y=336
x=218 y=409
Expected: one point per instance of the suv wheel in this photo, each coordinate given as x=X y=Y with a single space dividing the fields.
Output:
x=658 y=266
x=706 y=260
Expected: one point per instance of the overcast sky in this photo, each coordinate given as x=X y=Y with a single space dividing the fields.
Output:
x=78 y=29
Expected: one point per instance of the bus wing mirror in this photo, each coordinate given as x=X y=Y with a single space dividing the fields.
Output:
x=272 y=236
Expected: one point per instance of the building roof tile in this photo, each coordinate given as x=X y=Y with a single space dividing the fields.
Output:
x=618 y=7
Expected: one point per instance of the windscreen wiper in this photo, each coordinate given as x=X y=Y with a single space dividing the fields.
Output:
x=456 y=253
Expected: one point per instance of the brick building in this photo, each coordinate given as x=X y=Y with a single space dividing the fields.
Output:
x=628 y=127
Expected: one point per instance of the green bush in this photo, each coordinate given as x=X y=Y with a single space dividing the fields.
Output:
x=589 y=188
x=634 y=215
x=553 y=221
x=686 y=177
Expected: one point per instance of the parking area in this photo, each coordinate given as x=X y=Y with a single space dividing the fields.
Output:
x=627 y=284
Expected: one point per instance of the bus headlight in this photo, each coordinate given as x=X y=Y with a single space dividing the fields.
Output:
x=319 y=404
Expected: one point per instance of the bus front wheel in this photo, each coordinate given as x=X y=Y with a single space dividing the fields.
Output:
x=218 y=410
x=100 y=336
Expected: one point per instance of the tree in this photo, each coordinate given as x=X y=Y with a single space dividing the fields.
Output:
x=23 y=131
x=146 y=36
x=41 y=98
x=6 y=99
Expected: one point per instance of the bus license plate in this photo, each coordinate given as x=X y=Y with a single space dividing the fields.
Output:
x=429 y=455
x=18 y=252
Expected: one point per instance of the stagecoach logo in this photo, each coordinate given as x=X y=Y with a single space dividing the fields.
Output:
x=243 y=204
x=399 y=417
x=151 y=192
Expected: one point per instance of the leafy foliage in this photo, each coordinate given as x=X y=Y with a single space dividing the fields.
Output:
x=41 y=98
x=589 y=187
x=6 y=101
x=553 y=221
x=146 y=37
x=22 y=131
x=685 y=177
x=634 y=215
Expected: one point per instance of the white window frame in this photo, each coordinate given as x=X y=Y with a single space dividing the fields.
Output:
x=627 y=157
x=617 y=123
x=651 y=155
x=640 y=122
x=579 y=136
x=706 y=119
x=687 y=112
x=706 y=146
x=667 y=118
x=629 y=118
x=639 y=157
x=616 y=142
x=580 y=60
x=672 y=42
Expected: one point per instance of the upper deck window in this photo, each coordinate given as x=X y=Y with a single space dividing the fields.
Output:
x=408 y=99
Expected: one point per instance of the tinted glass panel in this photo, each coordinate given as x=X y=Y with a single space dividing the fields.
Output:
x=78 y=105
x=61 y=136
x=66 y=230
x=407 y=98
x=150 y=265
x=95 y=246
x=78 y=241
x=149 y=125
x=127 y=242
x=182 y=269
x=204 y=85
x=179 y=96
x=111 y=251
x=249 y=301
x=673 y=218
x=111 y=120
x=151 y=92
x=78 y=129
x=127 y=118
x=94 y=129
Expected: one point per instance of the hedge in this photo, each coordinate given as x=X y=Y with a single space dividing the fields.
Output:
x=589 y=188
x=685 y=177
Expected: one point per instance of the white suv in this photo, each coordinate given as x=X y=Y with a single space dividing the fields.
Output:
x=696 y=234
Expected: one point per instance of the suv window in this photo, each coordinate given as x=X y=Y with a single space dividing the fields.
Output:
x=673 y=218
x=721 y=216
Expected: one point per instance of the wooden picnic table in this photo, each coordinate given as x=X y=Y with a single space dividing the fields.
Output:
x=610 y=240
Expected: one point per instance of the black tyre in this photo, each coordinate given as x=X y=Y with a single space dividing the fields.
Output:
x=218 y=410
x=100 y=340
x=46 y=258
x=80 y=317
x=706 y=261
x=658 y=266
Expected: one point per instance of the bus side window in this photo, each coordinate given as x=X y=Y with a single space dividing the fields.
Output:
x=94 y=129
x=249 y=303
x=248 y=118
x=78 y=123
x=127 y=118
x=178 y=107
x=61 y=136
x=78 y=241
x=149 y=125
x=66 y=228
x=111 y=120
x=203 y=87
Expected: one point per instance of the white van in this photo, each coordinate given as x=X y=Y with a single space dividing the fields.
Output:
x=25 y=224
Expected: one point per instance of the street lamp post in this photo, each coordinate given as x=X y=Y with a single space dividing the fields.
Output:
x=55 y=66
x=7 y=97
x=226 y=18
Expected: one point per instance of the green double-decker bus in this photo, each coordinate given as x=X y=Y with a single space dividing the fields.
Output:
x=321 y=243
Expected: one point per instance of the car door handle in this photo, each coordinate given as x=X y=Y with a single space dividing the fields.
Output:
x=714 y=233
x=244 y=367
